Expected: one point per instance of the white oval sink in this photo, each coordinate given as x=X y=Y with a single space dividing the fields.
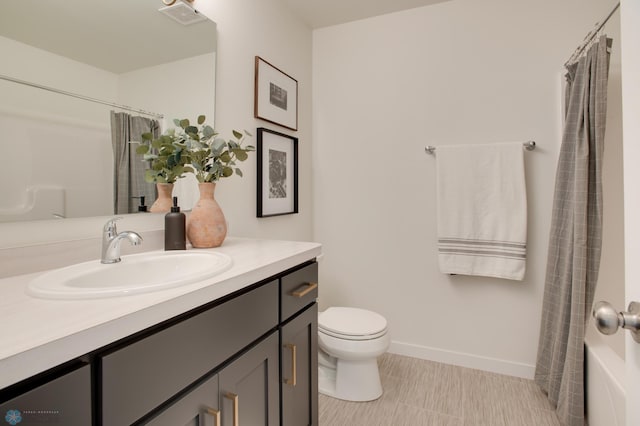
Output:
x=136 y=273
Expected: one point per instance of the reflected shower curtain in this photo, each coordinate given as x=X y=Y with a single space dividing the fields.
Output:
x=575 y=239
x=128 y=167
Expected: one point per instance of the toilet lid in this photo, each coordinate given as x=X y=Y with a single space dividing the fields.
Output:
x=351 y=322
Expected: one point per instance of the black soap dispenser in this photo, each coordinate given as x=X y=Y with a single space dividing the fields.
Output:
x=174 y=228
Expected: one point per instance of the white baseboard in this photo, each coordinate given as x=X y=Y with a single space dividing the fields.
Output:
x=493 y=365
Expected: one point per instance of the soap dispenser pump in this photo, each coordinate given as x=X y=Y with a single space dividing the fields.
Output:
x=174 y=228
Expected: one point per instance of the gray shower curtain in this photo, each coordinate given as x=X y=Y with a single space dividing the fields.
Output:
x=575 y=239
x=128 y=169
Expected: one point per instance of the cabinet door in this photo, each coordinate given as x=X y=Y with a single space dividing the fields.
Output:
x=65 y=400
x=249 y=392
x=198 y=408
x=300 y=369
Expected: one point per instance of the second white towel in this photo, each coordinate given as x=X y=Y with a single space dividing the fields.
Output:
x=482 y=210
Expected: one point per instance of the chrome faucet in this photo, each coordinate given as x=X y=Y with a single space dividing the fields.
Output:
x=111 y=241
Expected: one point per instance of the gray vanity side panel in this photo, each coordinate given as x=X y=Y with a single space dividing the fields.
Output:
x=139 y=377
x=300 y=402
x=64 y=401
x=294 y=281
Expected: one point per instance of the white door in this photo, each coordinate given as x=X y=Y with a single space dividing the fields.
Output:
x=630 y=55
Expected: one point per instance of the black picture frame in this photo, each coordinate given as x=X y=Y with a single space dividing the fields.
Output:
x=275 y=95
x=277 y=159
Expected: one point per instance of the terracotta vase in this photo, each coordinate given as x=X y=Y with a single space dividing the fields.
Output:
x=163 y=202
x=206 y=226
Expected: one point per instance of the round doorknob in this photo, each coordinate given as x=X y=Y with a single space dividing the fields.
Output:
x=608 y=320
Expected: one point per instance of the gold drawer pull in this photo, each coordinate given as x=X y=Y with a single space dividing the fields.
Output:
x=234 y=398
x=215 y=414
x=302 y=291
x=292 y=381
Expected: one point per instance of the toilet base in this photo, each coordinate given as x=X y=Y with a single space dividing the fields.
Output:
x=349 y=380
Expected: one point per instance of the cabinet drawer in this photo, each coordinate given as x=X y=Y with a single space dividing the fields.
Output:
x=298 y=289
x=64 y=401
x=139 y=377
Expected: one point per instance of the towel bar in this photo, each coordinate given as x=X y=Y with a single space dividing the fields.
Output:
x=529 y=146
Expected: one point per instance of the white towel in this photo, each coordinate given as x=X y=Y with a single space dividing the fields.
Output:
x=482 y=210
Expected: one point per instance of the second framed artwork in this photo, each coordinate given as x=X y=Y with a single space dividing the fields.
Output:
x=276 y=95
x=277 y=173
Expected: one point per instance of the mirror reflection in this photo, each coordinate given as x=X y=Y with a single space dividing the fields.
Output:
x=71 y=68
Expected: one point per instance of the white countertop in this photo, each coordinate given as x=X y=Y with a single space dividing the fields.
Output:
x=37 y=334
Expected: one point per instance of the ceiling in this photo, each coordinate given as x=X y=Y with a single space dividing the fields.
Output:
x=324 y=13
x=114 y=35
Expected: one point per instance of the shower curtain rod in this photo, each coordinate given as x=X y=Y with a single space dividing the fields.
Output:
x=576 y=54
x=75 y=95
x=529 y=146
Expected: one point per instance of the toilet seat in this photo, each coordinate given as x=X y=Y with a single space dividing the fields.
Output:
x=352 y=323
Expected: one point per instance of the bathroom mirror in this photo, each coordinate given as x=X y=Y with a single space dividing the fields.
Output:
x=122 y=52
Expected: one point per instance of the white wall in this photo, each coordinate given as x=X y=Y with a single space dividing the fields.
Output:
x=265 y=28
x=457 y=72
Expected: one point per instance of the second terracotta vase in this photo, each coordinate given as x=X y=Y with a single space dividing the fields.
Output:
x=163 y=202
x=207 y=226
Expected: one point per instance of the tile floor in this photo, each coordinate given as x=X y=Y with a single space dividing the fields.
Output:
x=419 y=392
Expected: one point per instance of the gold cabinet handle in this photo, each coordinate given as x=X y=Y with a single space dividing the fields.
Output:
x=304 y=290
x=293 y=380
x=234 y=398
x=215 y=414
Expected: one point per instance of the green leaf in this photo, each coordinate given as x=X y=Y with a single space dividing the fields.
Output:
x=241 y=155
x=142 y=149
x=237 y=134
x=201 y=119
x=176 y=122
x=184 y=123
x=239 y=172
x=225 y=157
x=227 y=171
x=208 y=131
x=146 y=136
x=218 y=144
x=248 y=134
x=191 y=130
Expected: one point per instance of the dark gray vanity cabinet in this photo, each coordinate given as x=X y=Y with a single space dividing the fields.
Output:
x=65 y=400
x=299 y=347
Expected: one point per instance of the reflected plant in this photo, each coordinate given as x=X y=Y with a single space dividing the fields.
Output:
x=167 y=155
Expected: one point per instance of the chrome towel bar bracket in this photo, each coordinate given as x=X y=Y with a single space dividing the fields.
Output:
x=529 y=146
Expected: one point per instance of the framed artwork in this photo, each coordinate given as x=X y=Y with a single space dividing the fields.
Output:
x=277 y=173
x=276 y=95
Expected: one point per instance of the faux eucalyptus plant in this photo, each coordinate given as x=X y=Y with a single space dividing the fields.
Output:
x=168 y=157
x=212 y=157
x=193 y=149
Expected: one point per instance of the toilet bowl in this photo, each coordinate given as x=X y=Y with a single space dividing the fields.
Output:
x=350 y=340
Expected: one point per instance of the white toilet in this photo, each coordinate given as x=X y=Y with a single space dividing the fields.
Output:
x=349 y=341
